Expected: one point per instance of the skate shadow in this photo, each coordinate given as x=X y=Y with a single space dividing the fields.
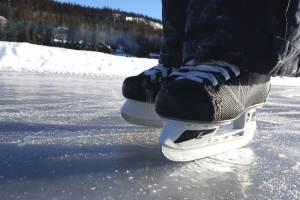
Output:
x=8 y=127
x=48 y=161
x=36 y=150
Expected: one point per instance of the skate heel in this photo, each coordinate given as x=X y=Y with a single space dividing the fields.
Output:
x=140 y=113
x=181 y=141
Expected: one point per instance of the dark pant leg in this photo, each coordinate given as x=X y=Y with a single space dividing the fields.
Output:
x=174 y=14
x=260 y=36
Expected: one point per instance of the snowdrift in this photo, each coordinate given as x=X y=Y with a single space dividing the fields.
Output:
x=24 y=57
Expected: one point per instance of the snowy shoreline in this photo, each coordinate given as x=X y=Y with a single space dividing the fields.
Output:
x=25 y=57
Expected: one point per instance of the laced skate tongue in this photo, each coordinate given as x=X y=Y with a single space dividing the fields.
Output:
x=207 y=70
x=157 y=69
x=185 y=142
x=234 y=68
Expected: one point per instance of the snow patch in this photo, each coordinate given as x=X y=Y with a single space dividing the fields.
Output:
x=22 y=144
x=292 y=81
x=24 y=57
x=282 y=156
x=155 y=25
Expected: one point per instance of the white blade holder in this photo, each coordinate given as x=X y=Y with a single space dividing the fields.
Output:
x=141 y=113
x=182 y=141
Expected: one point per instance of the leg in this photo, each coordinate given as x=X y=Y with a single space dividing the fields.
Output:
x=225 y=42
x=261 y=36
x=174 y=15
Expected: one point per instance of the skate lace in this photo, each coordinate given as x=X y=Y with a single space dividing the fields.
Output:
x=155 y=70
x=199 y=72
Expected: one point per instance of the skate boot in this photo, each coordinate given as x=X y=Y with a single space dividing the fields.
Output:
x=199 y=98
x=140 y=92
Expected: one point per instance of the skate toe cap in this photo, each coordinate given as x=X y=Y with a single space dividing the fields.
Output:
x=132 y=88
x=184 y=99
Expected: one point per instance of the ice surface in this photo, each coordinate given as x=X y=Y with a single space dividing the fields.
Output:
x=79 y=147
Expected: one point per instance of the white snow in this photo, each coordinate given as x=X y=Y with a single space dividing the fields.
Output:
x=59 y=28
x=24 y=57
x=155 y=25
x=292 y=81
x=22 y=144
x=3 y=20
x=282 y=156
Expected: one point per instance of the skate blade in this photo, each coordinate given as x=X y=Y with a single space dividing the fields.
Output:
x=204 y=140
x=140 y=113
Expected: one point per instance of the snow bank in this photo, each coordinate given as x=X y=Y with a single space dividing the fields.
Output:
x=293 y=81
x=24 y=57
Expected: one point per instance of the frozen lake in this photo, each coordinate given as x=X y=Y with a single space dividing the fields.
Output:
x=62 y=137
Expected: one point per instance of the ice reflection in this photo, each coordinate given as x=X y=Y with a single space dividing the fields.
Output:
x=224 y=176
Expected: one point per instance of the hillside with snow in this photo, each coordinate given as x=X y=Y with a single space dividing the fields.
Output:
x=24 y=57
x=155 y=25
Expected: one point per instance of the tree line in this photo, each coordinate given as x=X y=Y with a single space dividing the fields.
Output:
x=50 y=23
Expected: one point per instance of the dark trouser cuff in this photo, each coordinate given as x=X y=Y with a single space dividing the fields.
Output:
x=169 y=61
x=203 y=54
x=266 y=54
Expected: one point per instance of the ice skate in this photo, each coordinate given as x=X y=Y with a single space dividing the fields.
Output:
x=198 y=99
x=140 y=92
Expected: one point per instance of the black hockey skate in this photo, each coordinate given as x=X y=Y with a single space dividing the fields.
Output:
x=141 y=91
x=196 y=100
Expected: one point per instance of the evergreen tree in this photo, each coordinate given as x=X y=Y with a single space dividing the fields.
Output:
x=85 y=23
x=26 y=35
x=48 y=37
x=95 y=47
x=10 y=14
x=32 y=33
x=33 y=40
x=14 y=37
x=1 y=34
x=4 y=37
